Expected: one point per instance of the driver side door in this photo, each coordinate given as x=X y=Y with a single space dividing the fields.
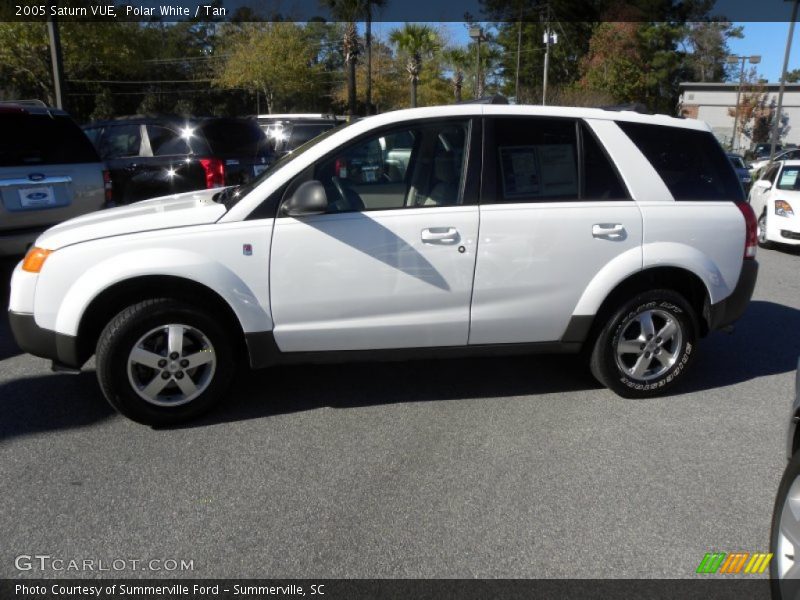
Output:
x=391 y=264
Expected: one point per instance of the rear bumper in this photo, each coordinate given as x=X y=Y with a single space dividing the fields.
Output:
x=60 y=348
x=731 y=308
x=16 y=242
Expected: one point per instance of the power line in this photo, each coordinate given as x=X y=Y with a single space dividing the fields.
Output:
x=145 y=82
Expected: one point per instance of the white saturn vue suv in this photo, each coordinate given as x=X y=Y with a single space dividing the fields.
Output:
x=452 y=230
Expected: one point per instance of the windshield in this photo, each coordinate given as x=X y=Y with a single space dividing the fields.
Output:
x=231 y=196
x=789 y=179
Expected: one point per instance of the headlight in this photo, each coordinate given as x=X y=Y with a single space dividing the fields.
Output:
x=783 y=208
x=34 y=259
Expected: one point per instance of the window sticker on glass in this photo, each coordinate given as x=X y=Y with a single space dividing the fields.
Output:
x=788 y=178
x=520 y=171
x=557 y=162
x=538 y=171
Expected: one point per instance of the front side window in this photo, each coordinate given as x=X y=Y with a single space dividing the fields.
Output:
x=417 y=166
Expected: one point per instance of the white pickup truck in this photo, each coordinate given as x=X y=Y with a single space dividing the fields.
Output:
x=508 y=229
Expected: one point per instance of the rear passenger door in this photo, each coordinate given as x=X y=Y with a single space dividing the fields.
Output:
x=554 y=213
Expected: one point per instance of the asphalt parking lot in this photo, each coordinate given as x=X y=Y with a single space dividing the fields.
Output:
x=503 y=467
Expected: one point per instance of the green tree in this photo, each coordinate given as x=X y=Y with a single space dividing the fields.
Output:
x=706 y=47
x=274 y=59
x=793 y=76
x=416 y=43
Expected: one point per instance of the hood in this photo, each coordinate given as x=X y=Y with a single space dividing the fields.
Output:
x=179 y=210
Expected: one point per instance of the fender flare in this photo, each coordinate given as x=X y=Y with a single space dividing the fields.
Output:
x=182 y=264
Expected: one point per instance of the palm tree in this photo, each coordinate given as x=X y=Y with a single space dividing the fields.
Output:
x=417 y=42
x=348 y=11
x=458 y=61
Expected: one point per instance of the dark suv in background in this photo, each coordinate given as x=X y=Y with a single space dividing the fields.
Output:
x=157 y=156
x=49 y=172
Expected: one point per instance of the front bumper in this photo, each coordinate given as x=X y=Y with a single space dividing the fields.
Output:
x=58 y=347
x=731 y=308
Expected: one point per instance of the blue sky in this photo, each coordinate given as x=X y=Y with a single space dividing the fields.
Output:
x=766 y=39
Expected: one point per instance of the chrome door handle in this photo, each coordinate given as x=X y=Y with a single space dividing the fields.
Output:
x=440 y=235
x=609 y=231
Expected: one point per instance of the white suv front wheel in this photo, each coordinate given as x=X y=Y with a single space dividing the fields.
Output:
x=162 y=361
x=646 y=346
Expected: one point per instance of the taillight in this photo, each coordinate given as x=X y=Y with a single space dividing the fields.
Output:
x=215 y=172
x=751 y=229
x=108 y=186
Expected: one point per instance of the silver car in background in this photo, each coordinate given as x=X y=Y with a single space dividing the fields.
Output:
x=49 y=172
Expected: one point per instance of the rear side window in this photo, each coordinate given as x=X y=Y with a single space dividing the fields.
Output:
x=691 y=163
x=165 y=141
x=41 y=139
x=229 y=137
x=121 y=141
x=303 y=133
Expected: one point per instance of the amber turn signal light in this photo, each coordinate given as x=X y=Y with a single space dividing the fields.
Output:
x=34 y=259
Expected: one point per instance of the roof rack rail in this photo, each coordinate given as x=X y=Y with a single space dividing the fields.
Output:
x=631 y=106
x=37 y=103
x=496 y=99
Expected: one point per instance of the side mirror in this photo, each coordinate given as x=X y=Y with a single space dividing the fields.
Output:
x=763 y=184
x=308 y=199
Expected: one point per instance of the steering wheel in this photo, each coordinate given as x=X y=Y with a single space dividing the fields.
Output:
x=347 y=203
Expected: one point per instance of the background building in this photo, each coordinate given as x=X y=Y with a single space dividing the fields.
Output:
x=715 y=102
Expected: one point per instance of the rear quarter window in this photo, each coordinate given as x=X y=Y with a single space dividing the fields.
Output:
x=691 y=163
x=41 y=139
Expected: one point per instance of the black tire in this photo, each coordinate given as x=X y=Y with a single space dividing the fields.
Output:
x=660 y=305
x=123 y=333
x=762 y=226
x=789 y=588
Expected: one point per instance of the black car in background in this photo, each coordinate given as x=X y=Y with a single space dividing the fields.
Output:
x=156 y=156
x=288 y=131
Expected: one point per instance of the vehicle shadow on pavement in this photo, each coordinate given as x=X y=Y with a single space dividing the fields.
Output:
x=294 y=388
x=765 y=342
x=50 y=403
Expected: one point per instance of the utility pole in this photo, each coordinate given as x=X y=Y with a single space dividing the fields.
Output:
x=368 y=38
x=55 y=59
x=779 y=110
x=519 y=47
x=547 y=41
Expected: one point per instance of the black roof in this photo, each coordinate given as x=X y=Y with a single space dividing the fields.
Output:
x=164 y=119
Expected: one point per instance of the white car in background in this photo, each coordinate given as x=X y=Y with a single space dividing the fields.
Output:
x=758 y=165
x=775 y=199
